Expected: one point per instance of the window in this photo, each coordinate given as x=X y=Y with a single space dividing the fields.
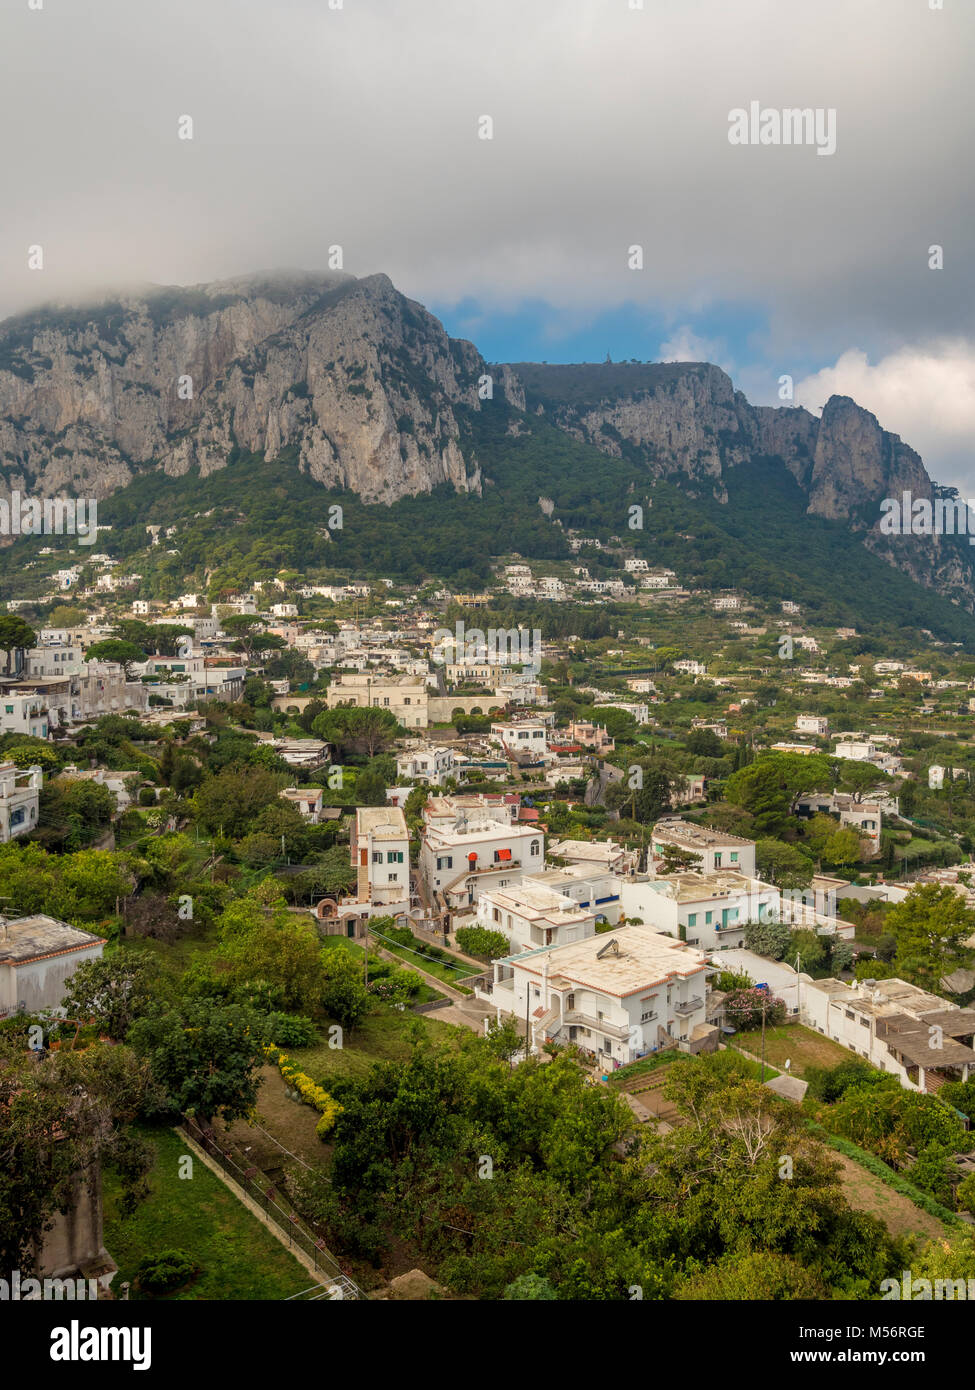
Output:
x=377 y=857
x=692 y=919
x=502 y=855
x=734 y=856
x=395 y=856
x=393 y=878
x=717 y=860
x=445 y=861
x=535 y=847
x=707 y=918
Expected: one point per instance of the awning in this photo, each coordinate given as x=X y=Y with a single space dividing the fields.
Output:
x=504 y=853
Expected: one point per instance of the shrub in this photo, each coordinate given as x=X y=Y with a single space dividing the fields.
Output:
x=147 y=796
x=311 y=1093
x=290 y=1030
x=168 y=1270
x=478 y=941
x=829 y=1083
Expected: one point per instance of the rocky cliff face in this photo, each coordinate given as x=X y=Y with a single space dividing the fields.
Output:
x=361 y=388
x=346 y=377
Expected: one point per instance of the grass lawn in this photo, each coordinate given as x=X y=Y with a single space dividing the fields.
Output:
x=802 y=1045
x=384 y=1035
x=239 y=1257
x=176 y=956
x=440 y=970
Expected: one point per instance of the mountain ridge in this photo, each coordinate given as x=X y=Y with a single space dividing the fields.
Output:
x=361 y=388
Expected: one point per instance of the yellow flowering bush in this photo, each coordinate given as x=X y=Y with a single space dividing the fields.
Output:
x=309 y=1090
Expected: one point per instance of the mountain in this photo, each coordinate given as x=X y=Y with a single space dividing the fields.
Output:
x=360 y=390
x=347 y=377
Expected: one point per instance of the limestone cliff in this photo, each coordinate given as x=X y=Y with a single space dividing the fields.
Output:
x=348 y=378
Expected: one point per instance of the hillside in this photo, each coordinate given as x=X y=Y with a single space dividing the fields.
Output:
x=326 y=387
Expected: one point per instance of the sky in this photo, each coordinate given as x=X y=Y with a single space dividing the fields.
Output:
x=362 y=125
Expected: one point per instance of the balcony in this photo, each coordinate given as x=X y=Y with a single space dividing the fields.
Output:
x=690 y=1006
x=597 y=1025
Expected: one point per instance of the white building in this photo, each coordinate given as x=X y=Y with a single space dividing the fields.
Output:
x=619 y=996
x=710 y=910
x=425 y=763
x=308 y=801
x=812 y=724
x=20 y=791
x=38 y=956
x=380 y=849
x=471 y=844
x=23 y=714
x=865 y=817
x=521 y=736
x=920 y=1038
x=531 y=914
x=713 y=849
x=405 y=697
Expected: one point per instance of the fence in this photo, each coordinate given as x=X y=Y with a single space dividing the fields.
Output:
x=265 y=1195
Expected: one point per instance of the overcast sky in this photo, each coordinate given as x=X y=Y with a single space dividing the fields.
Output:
x=358 y=126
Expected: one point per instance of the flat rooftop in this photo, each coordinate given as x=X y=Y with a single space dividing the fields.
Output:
x=645 y=959
x=535 y=901
x=694 y=888
x=38 y=936
x=381 y=822
x=697 y=836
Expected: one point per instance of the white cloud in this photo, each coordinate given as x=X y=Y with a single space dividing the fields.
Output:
x=686 y=346
x=924 y=393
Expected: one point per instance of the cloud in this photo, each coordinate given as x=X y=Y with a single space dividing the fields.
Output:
x=358 y=127
x=686 y=346
x=926 y=394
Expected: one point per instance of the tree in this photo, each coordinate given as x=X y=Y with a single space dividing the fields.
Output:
x=478 y=941
x=860 y=778
x=783 y=865
x=353 y=730
x=842 y=847
x=677 y=860
x=704 y=743
x=770 y=939
x=344 y=995
x=652 y=799
x=770 y=788
x=370 y=788
x=281 y=950
x=230 y=801
x=841 y=957
x=206 y=1055
x=113 y=991
x=745 y=1008
x=808 y=945
x=530 y=1287
x=83 y=1101
x=15 y=635
x=111 y=649
x=931 y=926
